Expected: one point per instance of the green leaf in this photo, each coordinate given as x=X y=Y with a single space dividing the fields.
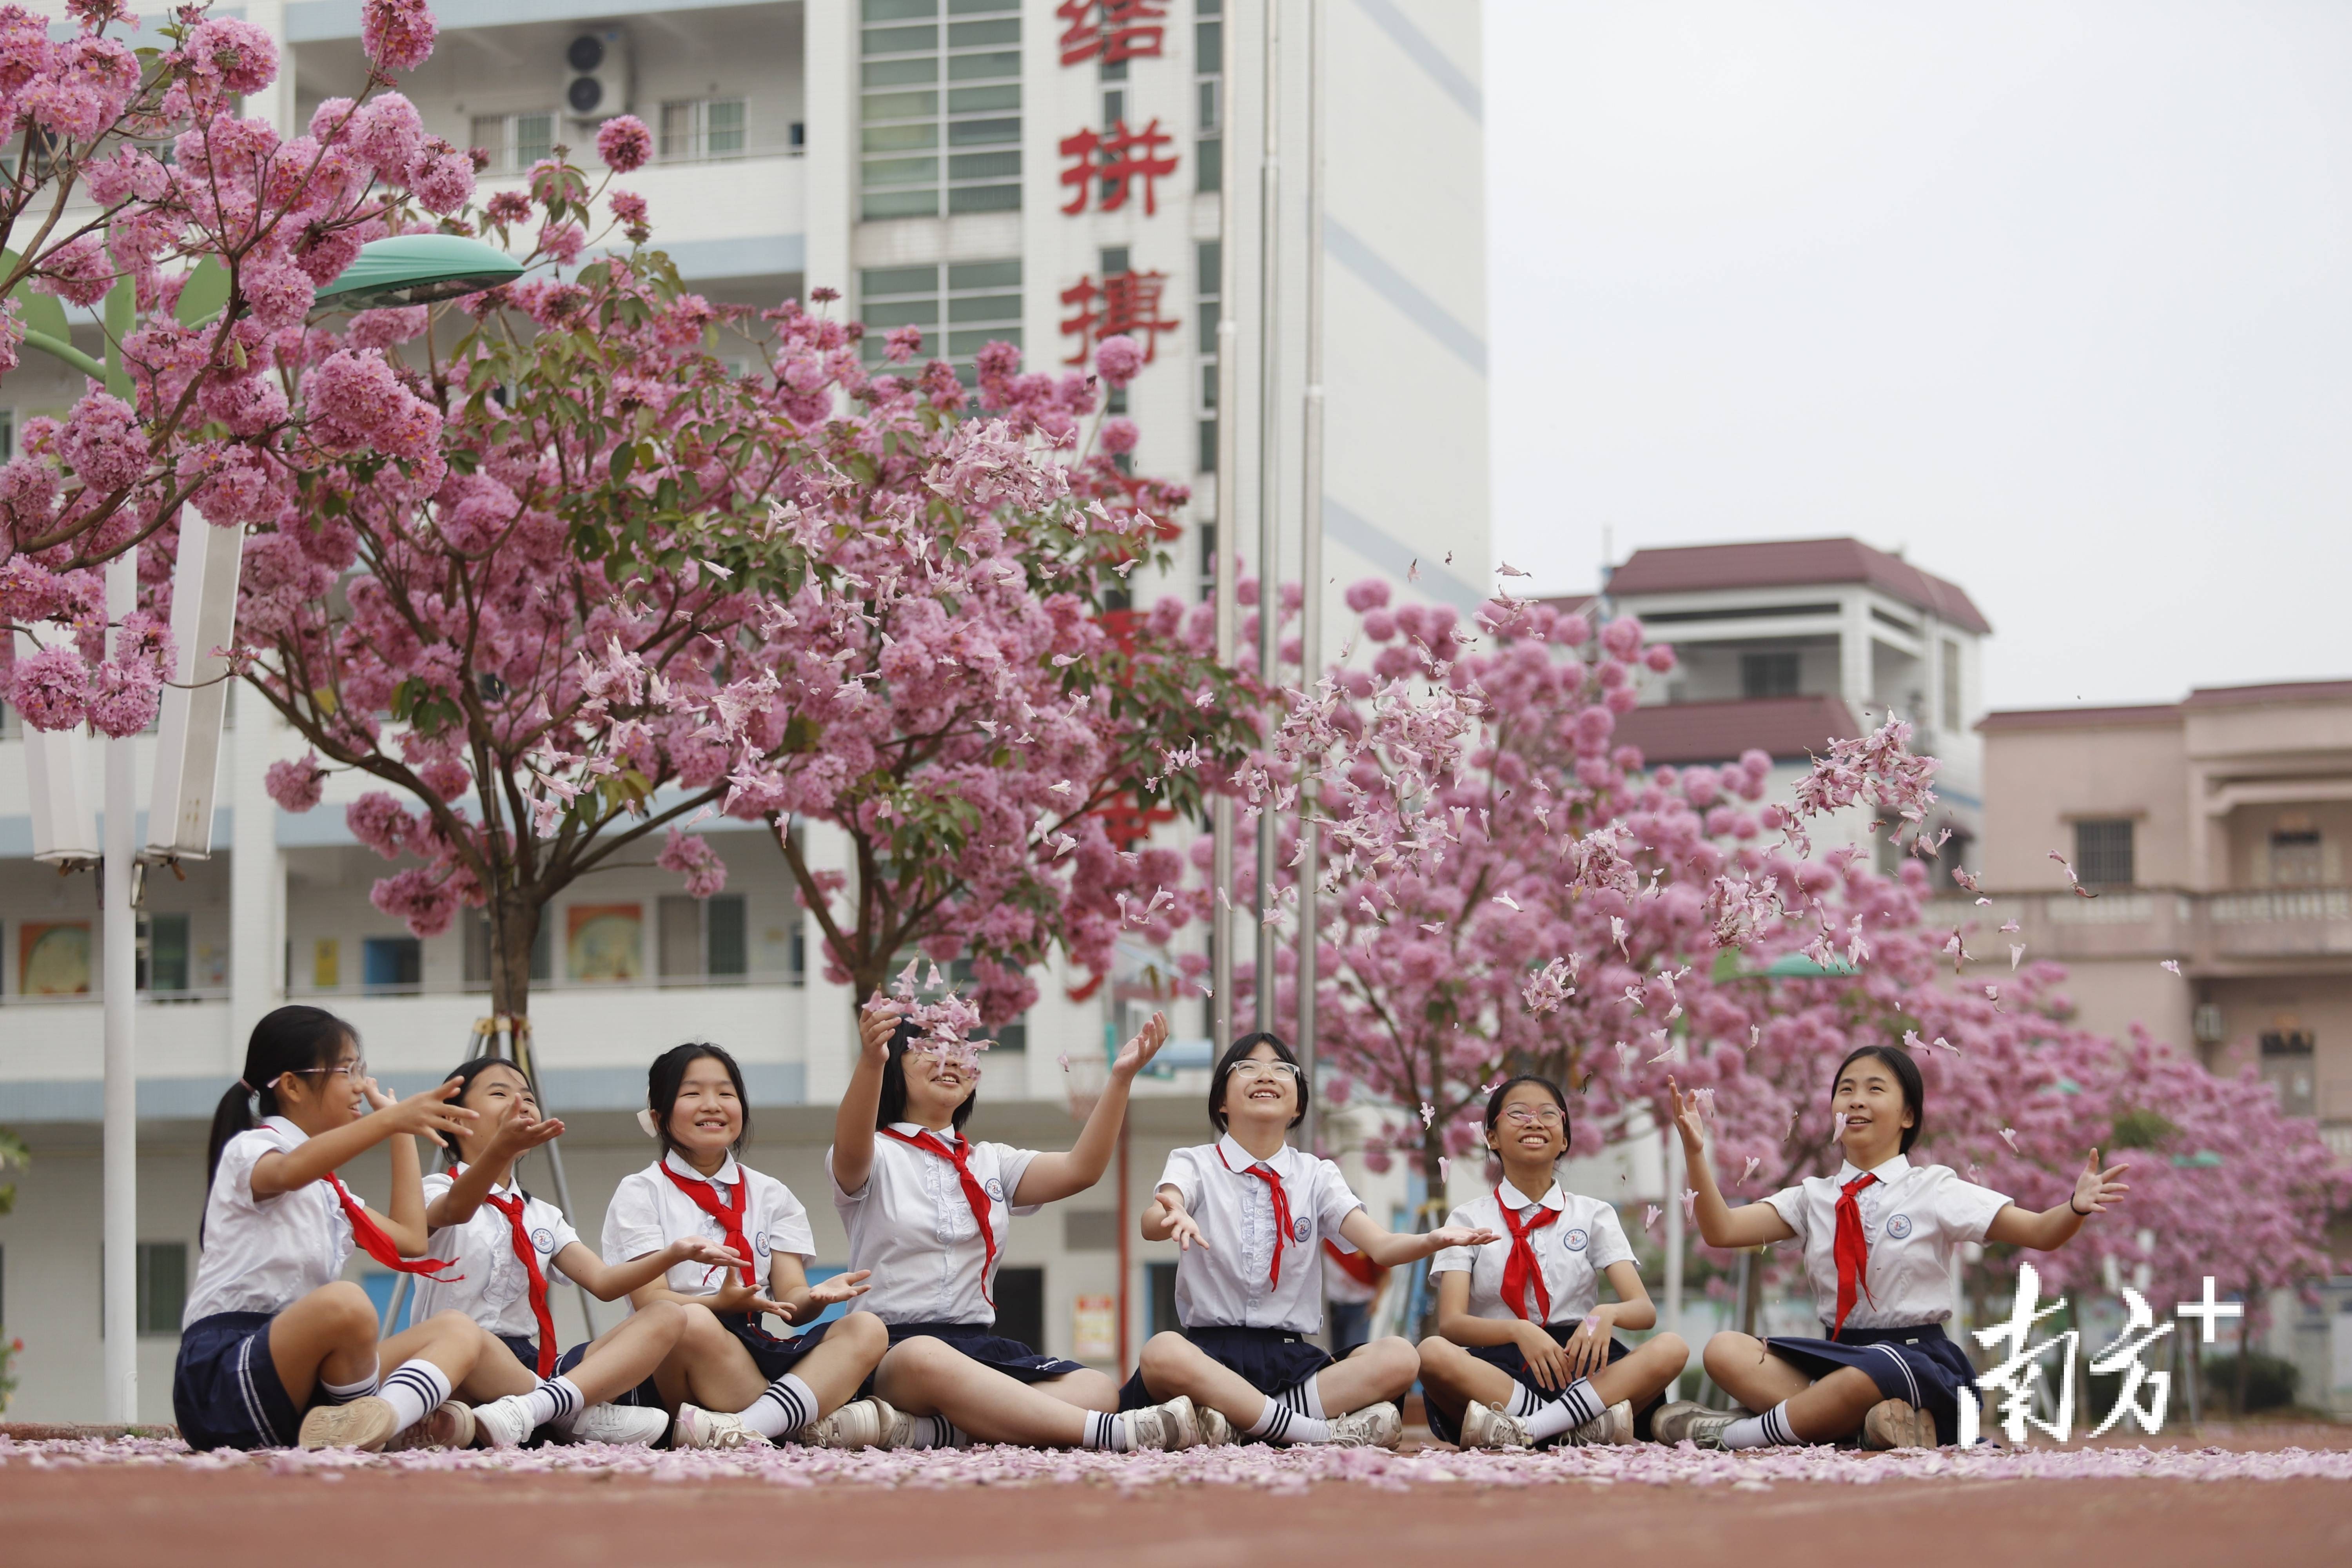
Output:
x=624 y=458
x=205 y=295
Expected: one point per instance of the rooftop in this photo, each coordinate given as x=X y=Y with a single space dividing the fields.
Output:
x=1791 y=564
x=2201 y=698
x=1785 y=727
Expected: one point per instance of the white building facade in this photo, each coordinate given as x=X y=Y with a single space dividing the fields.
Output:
x=1031 y=170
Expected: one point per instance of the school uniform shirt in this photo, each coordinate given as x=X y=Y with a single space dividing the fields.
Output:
x=913 y=1226
x=1572 y=1251
x=263 y=1254
x=647 y=1212
x=495 y=1289
x=1912 y=1217
x=1229 y=1284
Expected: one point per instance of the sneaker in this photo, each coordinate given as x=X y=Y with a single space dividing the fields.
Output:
x=860 y=1424
x=626 y=1424
x=698 y=1429
x=1896 y=1423
x=1672 y=1423
x=366 y=1423
x=1374 y=1427
x=1163 y=1428
x=504 y=1422
x=1614 y=1425
x=451 y=1426
x=1491 y=1426
x=1215 y=1430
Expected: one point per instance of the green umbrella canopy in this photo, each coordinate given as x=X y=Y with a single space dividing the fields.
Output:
x=417 y=268
x=1801 y=966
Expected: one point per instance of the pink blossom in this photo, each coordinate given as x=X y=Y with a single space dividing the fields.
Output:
x=693 y=859
x=77 y=271
x=560 y=242
x=397 y=35
x=123 y=697
x=904 y=343
x=1118 y=435
x=1118 y=359
x=422 y=897
x=443 y=181
x=296 y=785
x=104 y=443
x=51 y=689
x=378 y=821
x=625 y=144
x=239 y=55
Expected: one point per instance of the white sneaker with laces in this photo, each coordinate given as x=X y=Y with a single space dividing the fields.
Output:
x=449 y=1427
x=503 y=1423
x=1165 y=1428
x=1378 y=1425
x=626 y=1424
x=698 y=1429
x=1614 y=1425
x=1491 y=1426
x=1215 y=1430
x=860 y=1424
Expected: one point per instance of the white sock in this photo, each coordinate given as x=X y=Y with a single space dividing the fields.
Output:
x=413 y=1390
x=1278 y=1423
x=557 y=1402
x=784 y=1408
x=933 y=1432
x=1310 y=1400
x=1108 y=1432
x=1577 y=1403
x=1525 y=1402
x=345 y=1393
x=1770 y=1430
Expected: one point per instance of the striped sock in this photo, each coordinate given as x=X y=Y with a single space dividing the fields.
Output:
x=1577 y=1403
x=1309 y=1397
x=345 y=1393
x=1525 y=1402
x=1278 y=1423
x=1107 y=1432
x=1770 y=1430
x=555 y=1403
x=933 y=1432
x=413 y=1392
x=783 y=1409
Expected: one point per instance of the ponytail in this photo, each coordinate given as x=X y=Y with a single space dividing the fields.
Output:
x=288 y=1041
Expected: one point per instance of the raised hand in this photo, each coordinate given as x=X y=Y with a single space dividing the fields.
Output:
x=1185 y=1232
x=876 y=1022
x=1687 y=1120
x=735 y=1296
x=840 y=1287
x=520 y=1133
x=1448 y=1236
x=429 y=1113
x=1136 y=1053
x=703 y=1250
x=2098 y=1191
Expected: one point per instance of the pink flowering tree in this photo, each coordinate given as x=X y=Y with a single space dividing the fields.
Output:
x=954 y=685
x=204 y=266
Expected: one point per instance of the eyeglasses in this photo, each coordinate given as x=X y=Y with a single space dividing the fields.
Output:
x=1257 y=1070
x=1520 y=1116
x=354 y=1071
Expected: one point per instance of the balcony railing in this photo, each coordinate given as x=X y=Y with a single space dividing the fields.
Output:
x=2252 y=925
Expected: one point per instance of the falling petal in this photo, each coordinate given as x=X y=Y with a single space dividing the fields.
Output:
x=2016 y=954
x=1650 y=1216
x=2172 y=964
x=2009 y=1136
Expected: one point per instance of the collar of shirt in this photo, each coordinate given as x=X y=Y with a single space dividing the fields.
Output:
x=1887 y=1173
x=1241 y=1159
x=1553 y=1197
x=915 y=1130
x=497 y=1190
x=726 y=1173
x=286 y=1130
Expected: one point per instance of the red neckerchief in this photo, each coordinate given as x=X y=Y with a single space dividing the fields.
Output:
x=1851 y=1251
x=371 y=1235
x=512 y=1208
x=1354 y=1265
x=1521 y=1269
x=959 y=1155
x=729 y=1215
x=1266 y=1174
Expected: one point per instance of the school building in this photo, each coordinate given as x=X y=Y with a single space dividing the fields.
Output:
x=1028 y=169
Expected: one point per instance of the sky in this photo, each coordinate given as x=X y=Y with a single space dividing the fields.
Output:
x=2055 y=298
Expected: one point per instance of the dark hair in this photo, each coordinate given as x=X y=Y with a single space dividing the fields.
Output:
x=1239 y=1052
x=663 y=1079
x=892 y=1106
x=466 y=1072
x=1907 y=1073
x=1494 y=1100
x=290 y=1039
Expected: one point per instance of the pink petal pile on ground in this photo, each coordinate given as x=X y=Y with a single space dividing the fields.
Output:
x=1272 y=1469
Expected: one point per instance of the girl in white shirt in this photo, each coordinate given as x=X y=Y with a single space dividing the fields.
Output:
x=928 y=1211
x=1877 y=1240
x=731 y=1382
x=508 y=1248
x=1525 y=1352
x=1247 y=1214
x=275 y=1348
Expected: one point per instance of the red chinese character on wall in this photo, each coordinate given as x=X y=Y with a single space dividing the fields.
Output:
x=1115 y=162
x=1114 y=30
x=1126 y=302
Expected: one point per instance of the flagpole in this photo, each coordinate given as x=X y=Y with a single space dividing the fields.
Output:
x=1269 y=482
x=1225 y=538
x=1311 y=553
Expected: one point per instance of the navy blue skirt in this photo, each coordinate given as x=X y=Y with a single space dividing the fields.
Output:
x=1918 y=1364
x=1275 y=1362
x=1508 y=1360
x=225 y=1387
x=1011 y=1357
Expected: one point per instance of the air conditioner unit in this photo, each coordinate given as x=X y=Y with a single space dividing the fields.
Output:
x=2206 y=1023
x=60 y=774
x=195 y=703
x=596 y=75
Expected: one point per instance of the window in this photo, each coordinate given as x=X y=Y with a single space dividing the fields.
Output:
x=2287 y=1059
x=973 y=302
x=163 y=1292
x=1209 y=86
x=478 y=949
x=702 y=128
x=2103 y=852
x=1208 y=287
x=1952 y=674
x=162 y=952
x=1768 y=675
x=392 y=963
x=940 y=109
x=702 y=939
x=2296 y=857
x=515 y=142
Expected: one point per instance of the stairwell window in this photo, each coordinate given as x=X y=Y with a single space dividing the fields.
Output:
x=2103 y=852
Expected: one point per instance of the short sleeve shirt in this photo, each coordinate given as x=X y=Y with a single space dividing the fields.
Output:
x=912 y=1224
x=1572 y=1251
x=263 y=1254
x=492 y=1288
x=1233 y=1283
x=1913 y=1218
x=648 y=1211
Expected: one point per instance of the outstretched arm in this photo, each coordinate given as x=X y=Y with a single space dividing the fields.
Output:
x=2096 y=1191
x=518 y=1134
x=852 y=1124
x=429 y=1113
x=1052 y=1176
x=1388 y=1249
x=610 y=1281
x=1720 y=1224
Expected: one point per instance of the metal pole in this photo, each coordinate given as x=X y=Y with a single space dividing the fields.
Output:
x=120 y=973
x=517 y=1033
x=1673 y=1319
x=1226 y=538
x=1269 y=482
x=1126 y=1245
x=1311 y=553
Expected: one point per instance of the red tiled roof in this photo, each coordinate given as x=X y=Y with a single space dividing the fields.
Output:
x=1680 y=732
x=1790 y=564
x=2016 y=718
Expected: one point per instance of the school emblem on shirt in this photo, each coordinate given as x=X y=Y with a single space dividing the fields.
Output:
x=995 y=1189
x=543 y=1239
x=1573 y=1241
x=759 y=1244
x=1898 y=1227
x=1300 y=1230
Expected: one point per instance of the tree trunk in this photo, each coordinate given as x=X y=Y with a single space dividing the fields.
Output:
x=514 y=927
x=2245 y=1343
